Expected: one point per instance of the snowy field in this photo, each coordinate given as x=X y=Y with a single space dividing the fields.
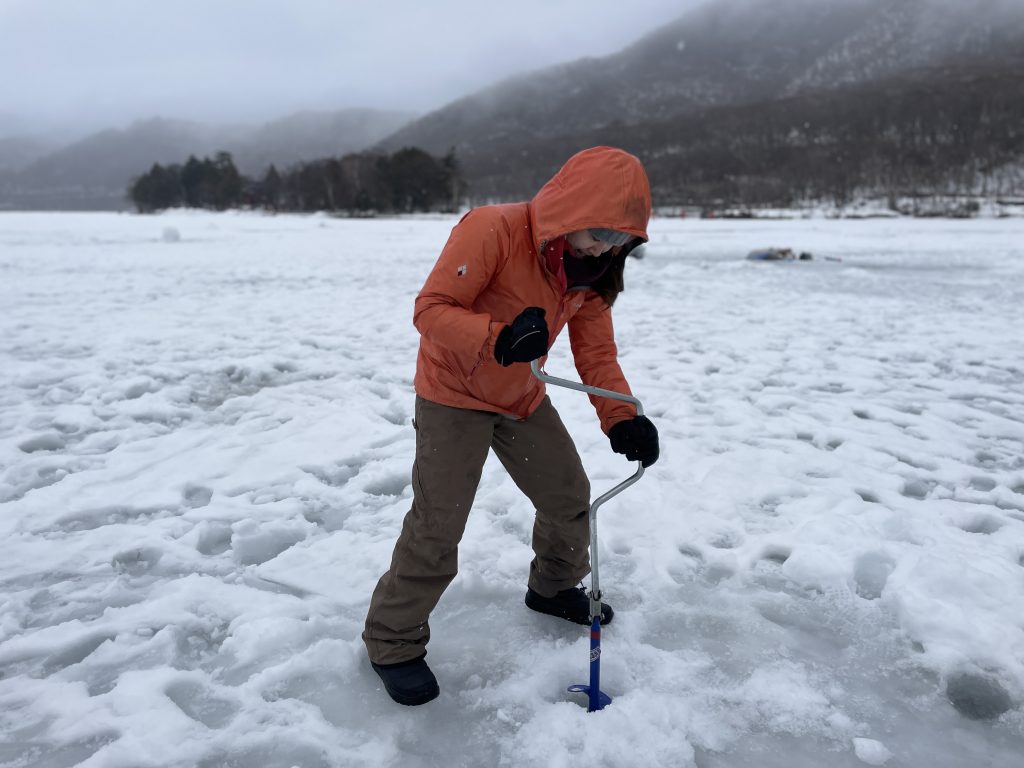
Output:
x=205 y=454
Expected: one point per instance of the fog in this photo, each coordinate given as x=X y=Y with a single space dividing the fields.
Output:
x=72 y=66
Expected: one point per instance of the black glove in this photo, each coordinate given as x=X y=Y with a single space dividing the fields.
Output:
x=525 y=339
x=637 y=438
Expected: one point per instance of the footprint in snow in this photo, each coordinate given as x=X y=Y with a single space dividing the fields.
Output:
x=201 y=704
x=917 y=489
x=135 y=562
x=74 y=653
x=213 y=538
x=196 y=496
x=978 y=696
x=982 y=524
x=871 y=572
x=47 y=441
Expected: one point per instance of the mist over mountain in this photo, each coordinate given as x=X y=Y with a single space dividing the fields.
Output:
x=736 y=101
x=311 y=135
x=94 y=173
x=17 y=152
x=727 y=52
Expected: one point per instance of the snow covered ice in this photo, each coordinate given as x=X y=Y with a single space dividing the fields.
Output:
x=205 y=455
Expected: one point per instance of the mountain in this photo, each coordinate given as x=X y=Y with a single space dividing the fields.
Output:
x=17 y=152
x=945 y=130
x=96 y=171
x=726 y=53
x=312 y=135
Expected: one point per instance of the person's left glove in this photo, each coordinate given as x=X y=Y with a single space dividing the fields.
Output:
x=637 y=438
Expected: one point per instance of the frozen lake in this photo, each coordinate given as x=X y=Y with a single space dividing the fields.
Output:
x=205 y=451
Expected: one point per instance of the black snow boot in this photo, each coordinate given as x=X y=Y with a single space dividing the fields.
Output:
x=572 y=604
x=408 y=682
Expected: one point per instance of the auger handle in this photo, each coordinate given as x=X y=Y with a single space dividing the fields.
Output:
x=595 y=589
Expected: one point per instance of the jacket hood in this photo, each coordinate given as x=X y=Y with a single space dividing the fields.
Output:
x=599 y=187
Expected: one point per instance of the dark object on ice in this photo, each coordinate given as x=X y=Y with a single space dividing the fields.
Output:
x=977 y=696
x=408 y=682
x=778 y=254
x=570 y=604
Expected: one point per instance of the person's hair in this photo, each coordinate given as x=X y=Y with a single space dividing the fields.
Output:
x=609 y=285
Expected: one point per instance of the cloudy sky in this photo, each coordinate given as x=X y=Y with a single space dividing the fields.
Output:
x=98 y=63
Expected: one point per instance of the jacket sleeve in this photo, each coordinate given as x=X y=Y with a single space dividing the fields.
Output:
x=444 y=310
x=592 y=338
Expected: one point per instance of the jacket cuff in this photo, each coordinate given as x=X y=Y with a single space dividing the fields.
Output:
x=492 y=338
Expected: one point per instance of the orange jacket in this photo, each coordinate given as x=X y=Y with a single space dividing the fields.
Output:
x=494 y=266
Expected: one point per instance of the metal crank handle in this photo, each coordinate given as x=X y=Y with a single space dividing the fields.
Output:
x=595 y=594
x=541 y=374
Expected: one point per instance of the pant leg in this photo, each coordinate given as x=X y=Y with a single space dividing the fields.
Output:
x=451 y=447
x=541 y=458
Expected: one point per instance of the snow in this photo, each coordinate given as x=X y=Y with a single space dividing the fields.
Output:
x=871 y=752
x=205 y=449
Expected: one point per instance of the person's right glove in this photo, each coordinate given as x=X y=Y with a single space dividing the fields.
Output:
x=524 y=339
x=637 y=438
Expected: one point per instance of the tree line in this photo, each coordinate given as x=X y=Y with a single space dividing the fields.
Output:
x=407 y=181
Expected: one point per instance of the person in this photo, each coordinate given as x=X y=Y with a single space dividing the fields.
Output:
x=510 y=278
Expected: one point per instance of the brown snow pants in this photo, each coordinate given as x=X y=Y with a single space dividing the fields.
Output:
x=451 y=447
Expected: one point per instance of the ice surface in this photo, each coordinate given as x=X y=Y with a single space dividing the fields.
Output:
x=205 y=454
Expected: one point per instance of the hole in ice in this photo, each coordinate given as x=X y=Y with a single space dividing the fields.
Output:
x=870 y=574
x=984 y=524
x=831 y=445
x=860 y=413
x=977 y=696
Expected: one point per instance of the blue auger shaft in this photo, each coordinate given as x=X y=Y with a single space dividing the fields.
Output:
x=595 y=666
